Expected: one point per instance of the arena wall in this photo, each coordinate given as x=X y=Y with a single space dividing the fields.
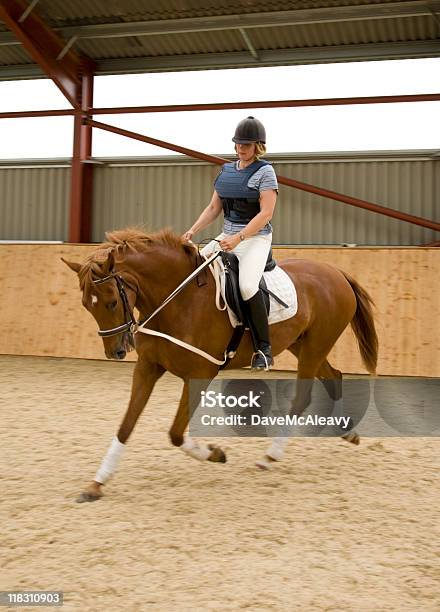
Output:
x=172 y=191
x=41 y=311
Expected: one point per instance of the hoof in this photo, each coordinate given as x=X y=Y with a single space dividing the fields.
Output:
x=352 y=437
x=265 y=463
x=217 y=455
x=87 y=497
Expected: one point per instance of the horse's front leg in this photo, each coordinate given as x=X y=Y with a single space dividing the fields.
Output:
x=194 y=449
x=145 y=377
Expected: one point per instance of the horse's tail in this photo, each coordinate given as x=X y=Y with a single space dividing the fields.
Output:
x=363 y=325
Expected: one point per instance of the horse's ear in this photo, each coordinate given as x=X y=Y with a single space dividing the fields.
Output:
x=109 y=264
x=76 y=267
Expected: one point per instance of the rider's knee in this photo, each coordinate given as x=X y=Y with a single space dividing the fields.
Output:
x=247 y=289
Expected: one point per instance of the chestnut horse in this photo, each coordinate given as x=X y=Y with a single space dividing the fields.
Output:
x=150 y=267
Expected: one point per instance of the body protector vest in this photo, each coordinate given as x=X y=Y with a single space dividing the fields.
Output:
x=240 y=203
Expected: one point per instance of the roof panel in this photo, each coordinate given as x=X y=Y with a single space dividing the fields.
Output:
x=200 y=34
x=13 y=55
x=61 y=13
x=165 y=45
x=288 y=37
x=344 y=33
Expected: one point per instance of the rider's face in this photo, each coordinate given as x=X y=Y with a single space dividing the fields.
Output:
x=246 y=152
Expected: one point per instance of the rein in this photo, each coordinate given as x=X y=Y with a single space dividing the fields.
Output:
x=132 y=326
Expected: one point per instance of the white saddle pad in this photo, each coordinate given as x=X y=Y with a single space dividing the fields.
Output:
x=279 y=283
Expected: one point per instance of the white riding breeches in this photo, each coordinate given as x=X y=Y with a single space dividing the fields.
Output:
x=252 y=256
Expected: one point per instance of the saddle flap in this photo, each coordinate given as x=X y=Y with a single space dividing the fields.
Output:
x=232 y=286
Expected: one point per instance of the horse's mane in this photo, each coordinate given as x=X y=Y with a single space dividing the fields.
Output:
x=119 y=242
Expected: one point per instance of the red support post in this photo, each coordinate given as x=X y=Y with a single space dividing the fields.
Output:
x=73 y=75
x=81 y=193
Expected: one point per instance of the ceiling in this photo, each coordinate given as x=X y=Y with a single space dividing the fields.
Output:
x=128 y=36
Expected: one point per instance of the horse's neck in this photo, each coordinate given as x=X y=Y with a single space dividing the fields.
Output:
x=192 y=314
x=158 y=273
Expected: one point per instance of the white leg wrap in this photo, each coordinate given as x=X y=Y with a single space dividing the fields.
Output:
x=276 y=449
x=110 y=461
x=191 y=448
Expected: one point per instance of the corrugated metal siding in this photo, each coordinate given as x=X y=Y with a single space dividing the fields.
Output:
x=345 y=33
x=408 y=186
x=34 y=203
x=160 y=195
x=151 y=195
x=158 y=192
x=163 y=45
x=62 y=13
x=14 y=54
x=268 y=38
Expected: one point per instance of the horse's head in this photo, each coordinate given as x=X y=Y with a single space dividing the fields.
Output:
x=110 y=298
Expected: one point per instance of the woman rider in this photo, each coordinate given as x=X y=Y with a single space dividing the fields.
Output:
x=246 y=191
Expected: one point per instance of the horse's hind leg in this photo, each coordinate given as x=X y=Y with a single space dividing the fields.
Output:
x=311 y=350
x=189 y=446
x=332 y=381
x=145 y=377
x=308 y=366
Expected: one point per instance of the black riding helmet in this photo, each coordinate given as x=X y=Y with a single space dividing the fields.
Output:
x=249 y=130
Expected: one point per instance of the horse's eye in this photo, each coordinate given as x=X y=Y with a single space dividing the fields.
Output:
x=112 y=305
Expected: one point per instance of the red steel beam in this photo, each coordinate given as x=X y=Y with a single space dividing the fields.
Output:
x=171 y=108
x=340 y=197
x=45 y=46
x=158 y=143
x=389 y=212
x=41 y=113
x=80 y=214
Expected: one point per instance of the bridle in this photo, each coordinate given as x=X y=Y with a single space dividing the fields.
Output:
x=130 y=324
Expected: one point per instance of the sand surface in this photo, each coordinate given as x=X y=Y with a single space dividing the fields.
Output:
x=332 y=528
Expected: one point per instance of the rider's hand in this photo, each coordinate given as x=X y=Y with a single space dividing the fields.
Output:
x=188 y=235
x=230 y=242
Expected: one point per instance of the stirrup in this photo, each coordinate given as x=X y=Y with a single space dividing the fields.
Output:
x=261 y=361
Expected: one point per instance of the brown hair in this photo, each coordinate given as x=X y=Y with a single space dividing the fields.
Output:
x=260 y=149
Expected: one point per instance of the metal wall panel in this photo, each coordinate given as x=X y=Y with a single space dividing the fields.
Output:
x=34 y=202
x=408 y=186
x=174 y=193
x=173 y=190
x=151 y=195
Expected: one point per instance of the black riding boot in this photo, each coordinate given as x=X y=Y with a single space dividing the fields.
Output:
x=259 y=327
